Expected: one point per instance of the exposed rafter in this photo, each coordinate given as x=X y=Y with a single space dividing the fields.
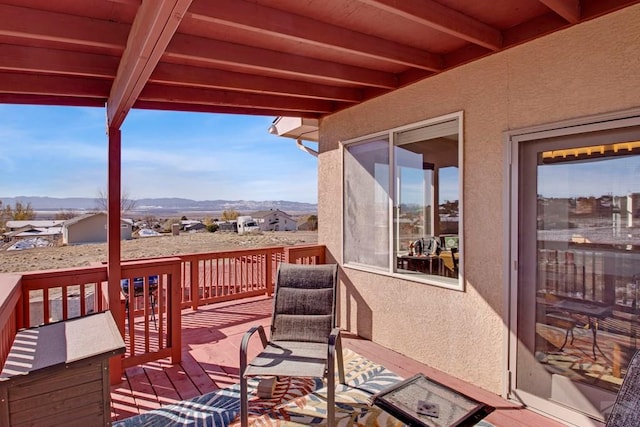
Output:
x=199 y=50
x=568 y=9
x=266 y=57
x=218 y=79
x=442 y=18
x=60 y=62
x=154 y=26
x=161 y=93
x=275 y=23
x=65 y=30
x=53 y=85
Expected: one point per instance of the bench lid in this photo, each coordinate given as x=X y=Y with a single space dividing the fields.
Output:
x=63 y=343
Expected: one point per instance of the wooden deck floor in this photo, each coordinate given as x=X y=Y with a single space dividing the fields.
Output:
x=210 y=348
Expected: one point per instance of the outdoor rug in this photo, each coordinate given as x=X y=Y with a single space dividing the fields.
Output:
x=296 y=402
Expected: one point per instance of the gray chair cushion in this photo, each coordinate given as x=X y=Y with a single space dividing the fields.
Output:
x=304 y=303
x=290 y=359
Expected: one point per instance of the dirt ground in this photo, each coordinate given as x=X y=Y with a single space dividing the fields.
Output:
x=186 y=243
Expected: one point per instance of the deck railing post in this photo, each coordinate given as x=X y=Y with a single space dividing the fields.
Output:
x=175 y=313
x=194 y=286
x=268 y=275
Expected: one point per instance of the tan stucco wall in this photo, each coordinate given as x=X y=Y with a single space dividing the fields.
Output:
x=588 y=69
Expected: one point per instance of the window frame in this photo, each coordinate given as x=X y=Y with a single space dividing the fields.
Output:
x=443 y=282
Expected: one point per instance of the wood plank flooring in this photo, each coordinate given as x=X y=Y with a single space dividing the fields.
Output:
x=210 y=347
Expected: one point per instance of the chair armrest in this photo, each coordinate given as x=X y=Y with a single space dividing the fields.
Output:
x=245 y=344
x=335 y=346
x=334 y=336
x=247 y=336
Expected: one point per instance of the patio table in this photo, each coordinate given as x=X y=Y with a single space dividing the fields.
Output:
x=424 y=264
x=593 y=311
x=422 y=401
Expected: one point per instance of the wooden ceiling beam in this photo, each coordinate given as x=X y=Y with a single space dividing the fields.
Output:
x=64 y=29
x=155 y=24
x=522 y=33
x=444 y=19
x=169 y=74
x=568 y=9
x=34 y=84
x=271 y=22
x=69 y=101
x=53 y=61
x=214 y=52
x=222 y=109
x=162 y=93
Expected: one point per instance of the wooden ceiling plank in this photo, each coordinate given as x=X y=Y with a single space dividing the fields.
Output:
x=215 y=52
x=59 y=62
x=171 y=74
x=271 y=22
x=33 y=24
x=568 y=9
x=155 y=24
x=163 y=93
x=444 y=19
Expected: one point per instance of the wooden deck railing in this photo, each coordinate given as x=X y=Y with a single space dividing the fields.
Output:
x=54 y=295
x=152 y=313
x=223 y=276
x=152 y=324
x=310 y=254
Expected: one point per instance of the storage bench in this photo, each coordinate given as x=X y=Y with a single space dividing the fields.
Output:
x=58 y=374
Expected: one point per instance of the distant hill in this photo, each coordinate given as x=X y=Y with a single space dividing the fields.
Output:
x=164 y=205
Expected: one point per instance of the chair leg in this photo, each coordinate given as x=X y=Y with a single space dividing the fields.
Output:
x=244 y=401
x=152 y=299
x=244 y=392
x=331 y=395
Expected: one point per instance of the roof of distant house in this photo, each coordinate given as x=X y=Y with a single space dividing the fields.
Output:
x=34 y=223
x=79 y=218
x=263 y=214
x=82 y=217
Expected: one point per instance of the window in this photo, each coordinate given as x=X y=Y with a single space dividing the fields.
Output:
x=402 y=204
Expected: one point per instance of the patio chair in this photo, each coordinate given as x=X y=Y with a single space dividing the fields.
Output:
x=626 y=409
x=304 y=340
x=138 y=291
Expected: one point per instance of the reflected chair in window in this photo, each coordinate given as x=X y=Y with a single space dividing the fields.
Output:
x=626 y=409
x=304 y=340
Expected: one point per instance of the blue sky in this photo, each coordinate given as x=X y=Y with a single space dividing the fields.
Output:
x=616 y=176
x=62 y=152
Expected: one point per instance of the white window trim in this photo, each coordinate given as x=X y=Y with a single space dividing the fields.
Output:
x=453 y=284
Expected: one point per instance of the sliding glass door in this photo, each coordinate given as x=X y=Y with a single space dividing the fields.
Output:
x=578 y=268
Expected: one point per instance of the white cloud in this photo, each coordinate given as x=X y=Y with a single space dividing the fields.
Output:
x=164 y=154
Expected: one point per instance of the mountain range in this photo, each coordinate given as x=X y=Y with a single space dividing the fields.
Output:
x=163 y=205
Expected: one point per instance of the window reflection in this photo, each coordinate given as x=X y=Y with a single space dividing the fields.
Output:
x=426 y=214
x=401 y=202
x=588 y=256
